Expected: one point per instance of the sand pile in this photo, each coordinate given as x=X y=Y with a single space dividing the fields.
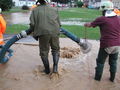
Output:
x=69 y=52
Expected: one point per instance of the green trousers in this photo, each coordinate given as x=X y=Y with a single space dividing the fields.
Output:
x=47 y=41
x=102 y=55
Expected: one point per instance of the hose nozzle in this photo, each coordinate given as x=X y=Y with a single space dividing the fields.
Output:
x=85 y=46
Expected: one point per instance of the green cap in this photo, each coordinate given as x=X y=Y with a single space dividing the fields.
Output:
x=106 y=5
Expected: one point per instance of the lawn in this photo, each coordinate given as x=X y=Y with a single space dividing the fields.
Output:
x=16 y=28
x=82 y=32
x=15 y=9
x=84 y=14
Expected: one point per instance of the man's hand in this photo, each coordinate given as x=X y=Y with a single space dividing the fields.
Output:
x=88 y=24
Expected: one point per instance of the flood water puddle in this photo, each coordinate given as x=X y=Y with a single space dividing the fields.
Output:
x=23 y=18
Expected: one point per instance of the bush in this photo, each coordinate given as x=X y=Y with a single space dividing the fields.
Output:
x=25 y=7
x=79 y=4
x=6 y=4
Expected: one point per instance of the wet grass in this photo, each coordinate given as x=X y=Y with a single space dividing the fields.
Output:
x=82 y=13
x=16 y=28
x=80 y=31
x=15 y=9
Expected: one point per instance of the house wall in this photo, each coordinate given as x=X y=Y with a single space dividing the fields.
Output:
x=25 y=2
x=16 y=2
x=28 y=3
x=116 y=3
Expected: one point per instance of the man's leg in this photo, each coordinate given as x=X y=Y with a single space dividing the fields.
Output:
x=54 y=42
x=44 y=50
x=102 y=55
x=113 y=65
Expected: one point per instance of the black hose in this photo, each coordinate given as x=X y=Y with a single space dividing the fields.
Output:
x=5 y=48
x=70 y=35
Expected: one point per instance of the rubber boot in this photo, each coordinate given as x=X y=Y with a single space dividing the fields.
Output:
x=55 y=62
x=112 y=76
x=99 y=71
x=97 y=77
x=46 y=65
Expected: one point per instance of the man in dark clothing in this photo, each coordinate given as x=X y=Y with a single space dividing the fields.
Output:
x=109 y=25
x=44 y=21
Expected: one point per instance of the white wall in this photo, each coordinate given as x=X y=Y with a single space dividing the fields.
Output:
x=21 y=3
x=16 y=2
x=25 y=2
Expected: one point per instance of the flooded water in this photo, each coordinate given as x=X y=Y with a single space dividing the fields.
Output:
x=17 y=18
x=23 y=18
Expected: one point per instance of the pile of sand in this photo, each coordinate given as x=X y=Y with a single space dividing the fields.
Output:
x=69 y=52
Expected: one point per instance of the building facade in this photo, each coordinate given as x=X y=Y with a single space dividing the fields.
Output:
x=116 y=3
x=25 y=2
x=97 y=3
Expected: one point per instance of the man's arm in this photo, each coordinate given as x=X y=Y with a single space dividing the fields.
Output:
x=97 y=22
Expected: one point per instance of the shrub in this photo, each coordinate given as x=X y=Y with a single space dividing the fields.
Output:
x=25 y=7
x=79 y=4
x=6 y=4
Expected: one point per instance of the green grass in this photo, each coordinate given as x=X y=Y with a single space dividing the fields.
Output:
x=85 y=14
x=80 y=31
x=16 y=28
x=15 y=9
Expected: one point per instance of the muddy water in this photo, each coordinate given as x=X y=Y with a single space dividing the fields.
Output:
x=23 y=18
x=23 y=71
x=17 y=18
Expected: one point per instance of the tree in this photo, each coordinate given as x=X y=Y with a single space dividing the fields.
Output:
x=79 y=4
x=6 y=4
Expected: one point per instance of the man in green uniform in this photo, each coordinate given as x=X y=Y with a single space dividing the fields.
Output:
x=44 y=21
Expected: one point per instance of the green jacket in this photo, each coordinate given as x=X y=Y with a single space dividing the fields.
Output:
x=45 y=20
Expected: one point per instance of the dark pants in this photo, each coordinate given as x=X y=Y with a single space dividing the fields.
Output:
x=100 y=61
x=47 y=41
